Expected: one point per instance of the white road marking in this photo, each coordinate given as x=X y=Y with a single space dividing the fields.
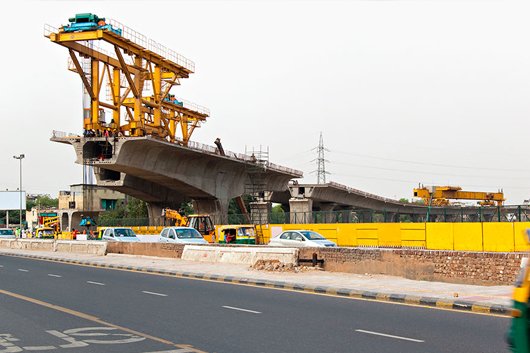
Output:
x=183 y=350
x=390 y=336
x=96 y=283
x=153 y=293
x=38 y=348
x=239 y=309
x=1 y=265
x=52 y=275
x=22 y=270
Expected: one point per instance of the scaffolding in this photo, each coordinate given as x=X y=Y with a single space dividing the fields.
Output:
x=256 y=186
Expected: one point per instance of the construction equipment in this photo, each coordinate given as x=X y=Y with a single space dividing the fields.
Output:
x=127 y=78
x=202 y=223
x=440 y=195
x=237 y=234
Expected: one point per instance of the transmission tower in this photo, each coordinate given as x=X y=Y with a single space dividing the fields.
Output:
x=321 y=161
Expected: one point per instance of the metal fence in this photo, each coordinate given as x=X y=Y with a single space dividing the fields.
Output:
x=420 y=215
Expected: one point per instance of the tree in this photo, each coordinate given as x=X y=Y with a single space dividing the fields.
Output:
x=42 y=201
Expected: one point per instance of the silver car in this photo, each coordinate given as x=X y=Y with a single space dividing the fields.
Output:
x=120 y=234
x=300 y=239
x=6 y=233
x=181 y=235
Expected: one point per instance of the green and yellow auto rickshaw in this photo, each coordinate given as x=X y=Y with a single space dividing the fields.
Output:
x=519 y=334
x=237 y=234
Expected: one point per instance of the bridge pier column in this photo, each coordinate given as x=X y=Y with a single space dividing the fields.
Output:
x=365 y=216
x=301 y=210
x=260 y=211
x=390 y=217
x=154 y=212
x=327 y=212
x=216 y=209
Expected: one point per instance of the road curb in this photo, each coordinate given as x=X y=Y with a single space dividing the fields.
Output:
x=459 y=305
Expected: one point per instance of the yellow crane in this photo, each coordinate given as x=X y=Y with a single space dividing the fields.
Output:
x=128 y=77
x=440 y=195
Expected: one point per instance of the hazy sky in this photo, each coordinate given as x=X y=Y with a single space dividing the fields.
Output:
x=404 y=92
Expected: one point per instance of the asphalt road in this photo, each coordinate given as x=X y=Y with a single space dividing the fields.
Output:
x=47 y=306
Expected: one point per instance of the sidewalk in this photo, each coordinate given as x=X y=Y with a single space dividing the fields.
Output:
x=485 y=299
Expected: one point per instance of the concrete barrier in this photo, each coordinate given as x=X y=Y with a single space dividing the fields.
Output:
x=239 y=255
x=70 y=246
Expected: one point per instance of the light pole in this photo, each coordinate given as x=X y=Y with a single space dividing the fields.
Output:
x=20 y=158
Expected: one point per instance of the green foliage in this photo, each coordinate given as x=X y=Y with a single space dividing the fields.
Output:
x=43 y=201
x=404 y=200
x=132 y=209
x=187 y=208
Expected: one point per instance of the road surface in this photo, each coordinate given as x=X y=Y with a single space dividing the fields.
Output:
x=54 y=307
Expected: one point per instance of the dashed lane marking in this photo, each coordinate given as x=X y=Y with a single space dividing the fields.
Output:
x=391 y=336
x=52 y=275
x=154 y=293
x=96 y=283
x=23 y=270
x=240 y=309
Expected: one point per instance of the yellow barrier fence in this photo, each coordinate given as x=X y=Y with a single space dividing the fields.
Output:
x=486 y=236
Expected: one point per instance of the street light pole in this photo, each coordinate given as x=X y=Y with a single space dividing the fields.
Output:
x=20 y=158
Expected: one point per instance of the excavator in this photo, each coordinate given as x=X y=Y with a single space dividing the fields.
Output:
x=202 y=223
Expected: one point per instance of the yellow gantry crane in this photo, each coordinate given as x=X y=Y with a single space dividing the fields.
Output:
x=440 y=195
x=137 y=75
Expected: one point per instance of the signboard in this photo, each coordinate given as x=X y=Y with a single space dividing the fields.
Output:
x=10 y=200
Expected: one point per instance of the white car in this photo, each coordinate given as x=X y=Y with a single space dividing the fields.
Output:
x=119 y=234
x=6 y=233
x=301 y=239
x=181 y=235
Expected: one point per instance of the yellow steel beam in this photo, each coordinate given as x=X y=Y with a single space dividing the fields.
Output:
x=81 y=74
x=124 y=67
x=94 y=54
x=95 y=89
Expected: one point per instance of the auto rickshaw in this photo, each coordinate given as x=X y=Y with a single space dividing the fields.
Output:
x=518 y=336
x=237 y=234
x=45 y=233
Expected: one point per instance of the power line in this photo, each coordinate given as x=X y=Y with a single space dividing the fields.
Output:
x=432 y=164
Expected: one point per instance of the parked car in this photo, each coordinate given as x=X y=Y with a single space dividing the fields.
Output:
x=6 y=233
x=301 y=238
x=181 y=235
x=119 y=234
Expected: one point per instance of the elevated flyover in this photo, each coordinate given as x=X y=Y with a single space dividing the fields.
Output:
x=164 y=174
x=334 y=196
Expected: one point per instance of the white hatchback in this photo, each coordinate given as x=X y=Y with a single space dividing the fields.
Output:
x=120 y=234
x=181 y=235
x=300 y=239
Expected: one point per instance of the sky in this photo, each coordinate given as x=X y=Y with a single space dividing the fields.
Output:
x=403 y=92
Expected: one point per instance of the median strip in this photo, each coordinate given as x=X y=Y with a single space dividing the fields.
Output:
x=391 y=336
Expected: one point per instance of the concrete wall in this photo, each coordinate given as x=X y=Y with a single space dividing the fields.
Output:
x=486 y=268
x=80 y=247
x=239 y=255
x=487 y=236
x=147 y=249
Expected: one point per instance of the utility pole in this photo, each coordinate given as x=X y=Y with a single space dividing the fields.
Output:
x=20 y=158
x=321 y=161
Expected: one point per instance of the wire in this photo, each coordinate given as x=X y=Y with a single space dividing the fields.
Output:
x=432 y=164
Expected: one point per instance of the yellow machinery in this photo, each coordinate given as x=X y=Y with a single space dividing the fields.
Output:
x=440 y=195
x=51 y=222
x=203 y=223
x=135 y=72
